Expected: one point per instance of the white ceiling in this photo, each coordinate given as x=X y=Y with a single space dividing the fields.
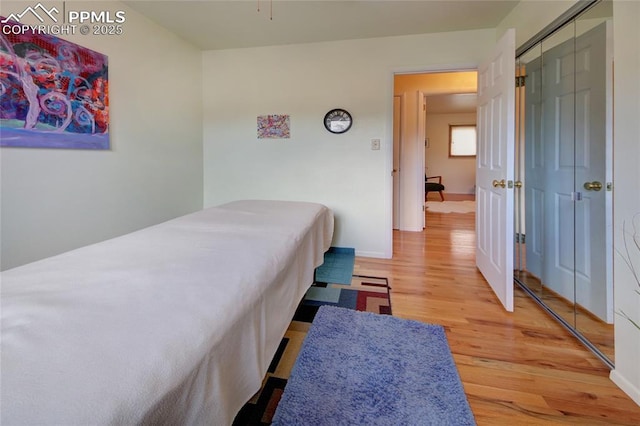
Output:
x=221 y=24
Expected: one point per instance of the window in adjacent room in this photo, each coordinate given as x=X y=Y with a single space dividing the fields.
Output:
x=462 y=140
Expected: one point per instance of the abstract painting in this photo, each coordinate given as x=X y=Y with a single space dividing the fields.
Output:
x=53 y=93
x=273 y=126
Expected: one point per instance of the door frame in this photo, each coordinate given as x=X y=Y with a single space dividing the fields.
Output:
x=412 y=199
x=395 y=170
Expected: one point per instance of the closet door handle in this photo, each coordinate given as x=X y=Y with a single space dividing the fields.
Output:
x=593 y=186
x=499 y=183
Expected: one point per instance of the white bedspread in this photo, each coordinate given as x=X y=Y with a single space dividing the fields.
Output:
x=172 y=324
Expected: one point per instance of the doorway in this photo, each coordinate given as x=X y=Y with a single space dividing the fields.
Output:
x=425 y=106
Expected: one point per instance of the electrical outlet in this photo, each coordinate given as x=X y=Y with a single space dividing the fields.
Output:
x=375 y=144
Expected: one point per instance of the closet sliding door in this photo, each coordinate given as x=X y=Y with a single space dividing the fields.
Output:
x=563 y=240
x=594 y=176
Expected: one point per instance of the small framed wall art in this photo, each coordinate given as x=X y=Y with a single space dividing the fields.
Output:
x=275 y=126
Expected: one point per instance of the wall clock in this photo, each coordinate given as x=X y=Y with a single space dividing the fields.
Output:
x=338 y=120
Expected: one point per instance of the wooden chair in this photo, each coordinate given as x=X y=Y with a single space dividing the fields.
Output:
x=433 y=186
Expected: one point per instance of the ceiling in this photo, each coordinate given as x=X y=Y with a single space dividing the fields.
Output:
x=452 y=104
x=215 y=24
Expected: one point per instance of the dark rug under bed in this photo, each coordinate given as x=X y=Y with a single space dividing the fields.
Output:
x=362 y=293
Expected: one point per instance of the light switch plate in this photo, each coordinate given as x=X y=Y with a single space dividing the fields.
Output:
x=375 y=144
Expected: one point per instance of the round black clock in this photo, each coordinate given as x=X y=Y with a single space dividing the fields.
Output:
x=338 y=121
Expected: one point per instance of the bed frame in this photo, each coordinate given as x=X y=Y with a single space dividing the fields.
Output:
x=173 y=324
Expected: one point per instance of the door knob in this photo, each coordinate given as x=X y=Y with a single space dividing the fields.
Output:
x=593 y=186
x=518 y=184
x=499 y=183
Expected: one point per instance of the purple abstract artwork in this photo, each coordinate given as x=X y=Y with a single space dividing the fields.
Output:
x=53 y=93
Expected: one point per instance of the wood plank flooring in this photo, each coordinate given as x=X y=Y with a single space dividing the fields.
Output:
x=519 y=368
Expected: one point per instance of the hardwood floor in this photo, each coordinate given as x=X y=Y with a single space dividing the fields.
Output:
x=519 y=368
x=593 y=328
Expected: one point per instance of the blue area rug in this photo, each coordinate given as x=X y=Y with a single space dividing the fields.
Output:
x=337 y=267
x=359 y=368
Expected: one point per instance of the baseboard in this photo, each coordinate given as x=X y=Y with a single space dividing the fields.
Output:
x=374 y=254
x=626 y=386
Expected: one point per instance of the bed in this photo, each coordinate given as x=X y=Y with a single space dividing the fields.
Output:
x=173 y=324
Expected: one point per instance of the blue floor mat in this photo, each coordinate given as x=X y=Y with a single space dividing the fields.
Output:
x=362 y=368
x=337 y=267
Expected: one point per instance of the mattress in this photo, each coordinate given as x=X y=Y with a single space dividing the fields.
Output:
x=173 y=324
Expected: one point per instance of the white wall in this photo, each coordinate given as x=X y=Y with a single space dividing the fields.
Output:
x=306 y=81
x=458 y=174
x=626 y=15
x=56 y=200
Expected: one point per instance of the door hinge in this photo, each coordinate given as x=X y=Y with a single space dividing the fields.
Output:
x=520 y=81
x=520 y=238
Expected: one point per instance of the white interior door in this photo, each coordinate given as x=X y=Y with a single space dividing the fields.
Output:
x=422 y=123
x=495 y=168
x=397 y=114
